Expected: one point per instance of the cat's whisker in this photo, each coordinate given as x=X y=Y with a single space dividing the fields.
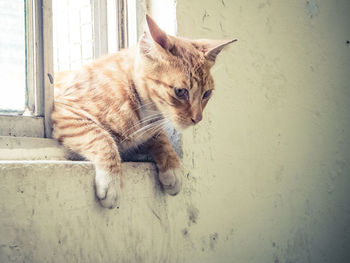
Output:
x=159 y=130
x=150 y=118
x=145 y=105
x=144 y=128
x=163 y=127
x=151 y=130
x=154 y=129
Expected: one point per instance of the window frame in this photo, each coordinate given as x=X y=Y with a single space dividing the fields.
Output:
x=100 y=25
x=35 y=120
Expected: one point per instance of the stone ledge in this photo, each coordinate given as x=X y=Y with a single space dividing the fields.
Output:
x=29 y=148
x=49 y=214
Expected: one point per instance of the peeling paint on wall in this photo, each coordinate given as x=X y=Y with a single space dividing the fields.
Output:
x=312 y=7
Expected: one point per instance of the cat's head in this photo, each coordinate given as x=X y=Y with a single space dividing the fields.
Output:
x=176 y=73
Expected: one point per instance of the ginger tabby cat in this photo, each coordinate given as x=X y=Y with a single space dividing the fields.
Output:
x=123 y=100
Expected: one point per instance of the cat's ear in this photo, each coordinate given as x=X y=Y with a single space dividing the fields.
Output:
x=157 y=34
x=212 y=48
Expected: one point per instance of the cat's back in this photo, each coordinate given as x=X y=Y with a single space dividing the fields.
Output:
x=105 y=74
x=98 y=91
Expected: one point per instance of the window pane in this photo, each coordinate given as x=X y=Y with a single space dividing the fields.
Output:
x=112 y=26
x=132 y=23
x=12 y=55
x=72 y=33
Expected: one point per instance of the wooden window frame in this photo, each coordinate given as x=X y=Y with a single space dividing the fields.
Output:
x=35 y=120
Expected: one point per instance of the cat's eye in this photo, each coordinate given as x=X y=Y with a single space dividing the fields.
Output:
x=181 y=93
x=207 y=94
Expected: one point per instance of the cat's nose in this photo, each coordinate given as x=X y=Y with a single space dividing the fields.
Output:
x=197 y=118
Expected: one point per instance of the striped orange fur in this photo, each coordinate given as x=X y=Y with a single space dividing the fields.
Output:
x=125 y=99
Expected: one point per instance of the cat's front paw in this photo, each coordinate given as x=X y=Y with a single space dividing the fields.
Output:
x=171 y=180
x=107 y=188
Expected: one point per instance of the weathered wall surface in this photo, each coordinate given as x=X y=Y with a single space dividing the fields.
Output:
x=48 y=213
x=270 y=163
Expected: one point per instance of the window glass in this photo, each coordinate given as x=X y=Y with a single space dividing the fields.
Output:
x=12 y=55
x=72 y=33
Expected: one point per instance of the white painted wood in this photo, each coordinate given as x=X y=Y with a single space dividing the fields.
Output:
x=141 y=10
x=100 y=30
x=34 y=51
x=132 y=23
x=48 y=70
x=112 y=25
x=38 y=59
x=123 y=24
x=30 y=45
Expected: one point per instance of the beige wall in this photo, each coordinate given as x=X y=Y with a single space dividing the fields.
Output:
x=270 y=162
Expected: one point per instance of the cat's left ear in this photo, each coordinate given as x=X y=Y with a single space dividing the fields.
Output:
x=212 y=48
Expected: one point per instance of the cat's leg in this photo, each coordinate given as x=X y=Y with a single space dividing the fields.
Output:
x=97 y=145
x=168 y=163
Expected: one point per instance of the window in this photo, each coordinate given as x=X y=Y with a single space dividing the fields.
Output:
x=86 y=29
x=25 y=58
x=40 y=37
x=12 y=55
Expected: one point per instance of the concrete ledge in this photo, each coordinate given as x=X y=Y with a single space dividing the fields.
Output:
x=49 y=214
x=29 y=148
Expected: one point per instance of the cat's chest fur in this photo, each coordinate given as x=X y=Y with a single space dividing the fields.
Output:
x=149 y=123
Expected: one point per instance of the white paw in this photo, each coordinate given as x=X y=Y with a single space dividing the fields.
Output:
x=107 y=188
x=171 y=180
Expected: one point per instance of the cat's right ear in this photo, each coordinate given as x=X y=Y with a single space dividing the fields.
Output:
x=156 y=36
